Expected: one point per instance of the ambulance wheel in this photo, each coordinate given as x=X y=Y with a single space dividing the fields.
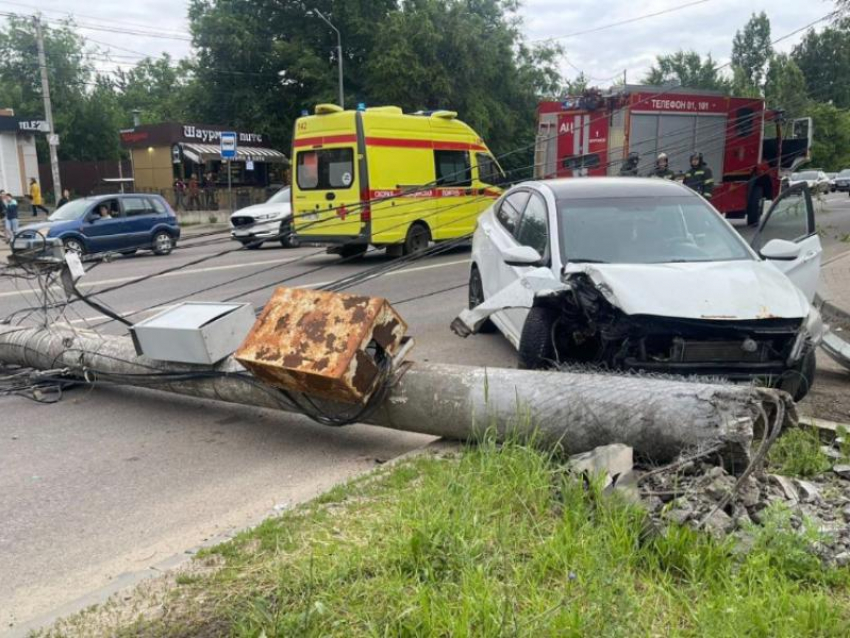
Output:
x=754 y=205
x=417 y=240
x=352 y=251
x=476 y=298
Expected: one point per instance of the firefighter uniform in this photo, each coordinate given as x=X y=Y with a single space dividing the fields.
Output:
x=664 y=172
x=629 y=168
x=699 y=177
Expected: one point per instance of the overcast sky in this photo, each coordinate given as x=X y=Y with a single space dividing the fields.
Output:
x=706 y=26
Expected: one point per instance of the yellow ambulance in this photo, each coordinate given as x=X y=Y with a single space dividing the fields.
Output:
x=382 y=177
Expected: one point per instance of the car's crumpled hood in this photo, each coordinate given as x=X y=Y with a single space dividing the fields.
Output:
x=281 y=208
x=730 y=290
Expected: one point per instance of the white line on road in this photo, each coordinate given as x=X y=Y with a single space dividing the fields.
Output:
x=176 y=273
x=315 y=284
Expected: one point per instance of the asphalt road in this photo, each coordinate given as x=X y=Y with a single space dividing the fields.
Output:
x=110 y=482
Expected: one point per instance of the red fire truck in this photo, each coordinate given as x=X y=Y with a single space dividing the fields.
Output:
x=741 y=140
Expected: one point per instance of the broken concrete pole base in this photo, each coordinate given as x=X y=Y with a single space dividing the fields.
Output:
x=658 y=418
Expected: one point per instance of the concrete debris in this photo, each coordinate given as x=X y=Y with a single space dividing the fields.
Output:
x=831 y=452
x=842 y=470
x=787 y=487
x=613 y=461
x=696 y=494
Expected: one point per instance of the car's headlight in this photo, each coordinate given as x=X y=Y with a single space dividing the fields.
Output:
x=262 y=218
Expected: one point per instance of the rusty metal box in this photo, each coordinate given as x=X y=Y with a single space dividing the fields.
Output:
x=318 y=343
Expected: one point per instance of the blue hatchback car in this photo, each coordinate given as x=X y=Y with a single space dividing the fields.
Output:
x=121 y=223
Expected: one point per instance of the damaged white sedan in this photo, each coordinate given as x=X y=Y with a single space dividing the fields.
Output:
x=644 y=274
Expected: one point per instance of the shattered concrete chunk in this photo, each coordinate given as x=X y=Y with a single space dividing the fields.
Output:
x=615 y=460
x=842 y=559
x=807 y=490
x=842 y=470
x=786 y=485
x=831 y=452
x=719 y=523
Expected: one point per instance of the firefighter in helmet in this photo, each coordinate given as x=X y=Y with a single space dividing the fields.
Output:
x=629 y=168
x=662 y=168
x=699 y=176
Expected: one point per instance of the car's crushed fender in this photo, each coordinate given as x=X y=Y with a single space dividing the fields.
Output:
x=539 y=282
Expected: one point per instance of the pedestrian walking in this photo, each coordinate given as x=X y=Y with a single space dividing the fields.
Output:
x=11 y=221
x=629 y=168
x=66 y=197
x=179 y=194
x=699 y=176
x=194 y=202
x=35 y=198
x=2 y=204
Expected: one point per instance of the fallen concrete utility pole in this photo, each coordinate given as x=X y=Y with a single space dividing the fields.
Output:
x=659 y=418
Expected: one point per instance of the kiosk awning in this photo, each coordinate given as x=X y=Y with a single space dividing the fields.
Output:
x=200 y=153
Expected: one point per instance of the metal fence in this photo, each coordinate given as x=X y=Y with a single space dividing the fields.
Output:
x=215 y=198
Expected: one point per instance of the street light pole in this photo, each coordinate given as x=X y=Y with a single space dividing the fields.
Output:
x=52 y=139
x=338 y=51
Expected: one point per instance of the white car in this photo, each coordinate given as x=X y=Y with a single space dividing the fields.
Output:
x=817 y=181
x=644 y=274
x=271 y=221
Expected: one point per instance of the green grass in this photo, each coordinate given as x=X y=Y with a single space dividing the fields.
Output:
x=499 y=542
x=797 y=453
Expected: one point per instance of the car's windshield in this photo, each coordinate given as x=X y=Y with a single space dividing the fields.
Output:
x=646 y=230
x=72 y=210
x=281 y=196
x=845 y=173
x=807 y=175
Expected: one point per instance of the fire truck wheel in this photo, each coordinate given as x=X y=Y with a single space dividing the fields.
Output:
x=754 y=205
x=417 y=240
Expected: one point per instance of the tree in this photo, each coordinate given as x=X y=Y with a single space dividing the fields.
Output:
x=751 y=49
x=68 y=70
x=831 y=144
x=259 y=63
x=785 y=86
x=686 y=69
x=157 y=88
x=467 y=56
x=824 y=58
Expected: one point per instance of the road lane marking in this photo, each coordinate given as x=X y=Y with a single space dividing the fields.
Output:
x=315 y=284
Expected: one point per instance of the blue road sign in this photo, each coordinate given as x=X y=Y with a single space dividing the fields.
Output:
x=228 y=146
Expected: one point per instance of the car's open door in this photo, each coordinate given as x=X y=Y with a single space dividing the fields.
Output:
x=788 y=238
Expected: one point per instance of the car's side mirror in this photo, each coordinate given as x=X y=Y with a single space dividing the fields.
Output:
x=780 y=250
x=521 y=256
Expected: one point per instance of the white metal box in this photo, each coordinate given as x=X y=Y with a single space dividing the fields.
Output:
x=194 y=332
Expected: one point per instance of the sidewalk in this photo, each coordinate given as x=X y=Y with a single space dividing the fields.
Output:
x=834 y=286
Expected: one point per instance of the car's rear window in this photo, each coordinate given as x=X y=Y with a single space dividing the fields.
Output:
x=325 y=169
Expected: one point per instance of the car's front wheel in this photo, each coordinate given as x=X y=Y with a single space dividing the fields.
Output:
x=74 y=246
x=797 y=381
x=163 y=243
x=536 y=346
x=476 y=297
